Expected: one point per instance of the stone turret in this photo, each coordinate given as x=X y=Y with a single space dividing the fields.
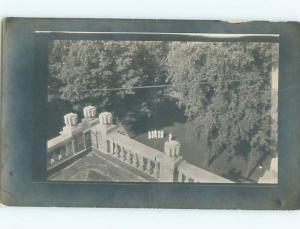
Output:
x=169 y=162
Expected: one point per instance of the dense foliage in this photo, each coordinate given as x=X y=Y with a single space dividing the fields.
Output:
x=232 y=116
x=77 y=68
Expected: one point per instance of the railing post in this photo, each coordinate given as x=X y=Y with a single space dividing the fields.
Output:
x=134 y=160
x=156 y=169
x=169 y=162
x=71 y=120
x=148 y=166
x=105 y=119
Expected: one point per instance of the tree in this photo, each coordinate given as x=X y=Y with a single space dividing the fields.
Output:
x=228 y=112
x=84 y=67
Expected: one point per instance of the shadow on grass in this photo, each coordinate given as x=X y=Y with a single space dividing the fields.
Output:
x=243 y=149
x=264 y=158
x=237 y=176
x=164 y=114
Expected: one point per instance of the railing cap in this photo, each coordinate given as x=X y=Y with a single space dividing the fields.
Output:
x=105 y=117
x=89 y=111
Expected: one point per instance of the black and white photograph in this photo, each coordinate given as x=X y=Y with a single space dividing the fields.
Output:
x=163 y=111
x=150 y=114
x=142 y=114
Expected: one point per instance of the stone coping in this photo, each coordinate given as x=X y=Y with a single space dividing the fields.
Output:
x=199 y=174
x=135 y=146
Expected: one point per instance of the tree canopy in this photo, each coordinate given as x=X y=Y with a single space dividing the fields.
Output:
x=219 y=86
x=81 y=71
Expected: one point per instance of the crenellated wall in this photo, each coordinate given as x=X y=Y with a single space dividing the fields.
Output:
x=101 y=136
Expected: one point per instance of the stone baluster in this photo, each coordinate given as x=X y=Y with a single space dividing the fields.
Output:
x=179 y=178
x=156 y=170
x=148 y=166
x=139 y=161
x=49 y=160
x=111 y=147
x=128 y=157
x=115 y=150
x=134 y=161
x=52 y=161
x=118 y=151
x=66 y=153
x=122 y=154
x=142 y=163
x=54 y=156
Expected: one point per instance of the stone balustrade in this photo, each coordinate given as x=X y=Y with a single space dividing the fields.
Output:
x=102 y=136
x=187 y=172
x=135 y=154
x=60 y=152
x=65 y=148
x=73 y=141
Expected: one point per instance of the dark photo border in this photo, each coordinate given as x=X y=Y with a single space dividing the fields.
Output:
x=24 y=100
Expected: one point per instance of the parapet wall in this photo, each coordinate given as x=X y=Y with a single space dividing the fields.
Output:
x=101 y=135
x=65 y=148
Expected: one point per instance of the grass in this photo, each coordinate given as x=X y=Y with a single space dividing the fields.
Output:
x=230 y=166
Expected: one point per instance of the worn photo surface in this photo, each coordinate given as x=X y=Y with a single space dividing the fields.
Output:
x=162 y=111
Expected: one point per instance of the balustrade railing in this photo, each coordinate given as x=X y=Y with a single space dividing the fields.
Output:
x=102 y=135
x=187 y=172
x=63 y=148
x=134 y=158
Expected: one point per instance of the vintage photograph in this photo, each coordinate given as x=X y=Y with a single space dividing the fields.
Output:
x=162 y=111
